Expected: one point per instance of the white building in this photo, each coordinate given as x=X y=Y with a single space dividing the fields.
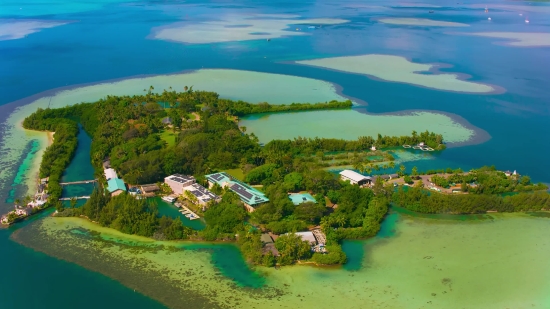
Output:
x=307 y=236
x=110 y=173
x=201 y=194
x=178 y=182
x=354 y=177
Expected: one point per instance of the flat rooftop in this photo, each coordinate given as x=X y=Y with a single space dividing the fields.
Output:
x=299 y=198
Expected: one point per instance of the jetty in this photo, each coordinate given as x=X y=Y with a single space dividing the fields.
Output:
x=78 y=182
x=188 y=213
x=76 y=197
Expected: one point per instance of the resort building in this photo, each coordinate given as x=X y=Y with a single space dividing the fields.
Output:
x=23 y=211
x=178 y=182
x=251 y=197
x=110 y=173
x=307 y=236
x=201 y=195
x=149 y=189
x=116 y=186
x=187 y=185
x=269 y=245
x=354 y=177
x=299 y=198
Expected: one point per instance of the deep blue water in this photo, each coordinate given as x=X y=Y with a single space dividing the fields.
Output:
x=108 y=39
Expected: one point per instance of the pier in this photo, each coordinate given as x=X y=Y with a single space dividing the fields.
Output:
x=76 y=197
x=188 y=213
x=78 y=182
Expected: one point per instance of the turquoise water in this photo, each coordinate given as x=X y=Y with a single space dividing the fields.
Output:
x=229 y=261
x=169 y=210
x=87 y=50
x=57 y=284
x=80 y=168
x=23 y=171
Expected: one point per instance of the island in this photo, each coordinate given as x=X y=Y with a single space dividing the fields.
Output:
x=282 y=202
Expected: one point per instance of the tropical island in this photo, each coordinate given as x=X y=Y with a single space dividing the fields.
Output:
x=283 y=202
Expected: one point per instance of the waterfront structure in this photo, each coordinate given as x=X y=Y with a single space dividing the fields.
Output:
x=187 y=185
x=250 y=197
x=149 y=189
x=299 y=198
x=354 y=177
x=200 y=194
x=307 y=236
x=116 y=186
x=110 y=173
x=178 y=182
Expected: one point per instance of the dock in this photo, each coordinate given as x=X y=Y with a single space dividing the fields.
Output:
x=188 y=213
x=76 y=197
x=78 y=182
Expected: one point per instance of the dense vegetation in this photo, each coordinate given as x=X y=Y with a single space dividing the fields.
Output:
x=420 y=200
x=240 y=108
x=128 y=131
x=129 y=215
x=490 y=181
x=58 y=155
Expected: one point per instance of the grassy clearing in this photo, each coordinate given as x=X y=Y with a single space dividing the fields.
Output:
x=169 y=137
x=237 y=173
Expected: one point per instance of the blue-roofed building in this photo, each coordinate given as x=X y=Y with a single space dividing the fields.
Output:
x=299 y=198
x=116 y=186
x=251 y=197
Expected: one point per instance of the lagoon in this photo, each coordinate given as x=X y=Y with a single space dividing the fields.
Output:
x=351 y=124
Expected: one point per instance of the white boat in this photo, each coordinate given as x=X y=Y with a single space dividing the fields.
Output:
x=169 y=199
x=527 y=21
x=489 y=18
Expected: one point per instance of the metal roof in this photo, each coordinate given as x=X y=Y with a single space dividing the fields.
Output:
x=354 y=175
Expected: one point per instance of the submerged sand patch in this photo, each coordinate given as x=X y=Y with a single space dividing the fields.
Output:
x=399 y=69
x=350 y=124
x=248 y=86
x=420 y=22
x=13 y=29
x=238 y=28
x=518 y=39
x=443 y=264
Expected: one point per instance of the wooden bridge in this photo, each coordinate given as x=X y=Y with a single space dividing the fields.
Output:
x=76 y=197
x=78 y=182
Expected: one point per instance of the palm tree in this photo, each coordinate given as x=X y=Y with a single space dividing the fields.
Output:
x=17 y=201
x=392 y=165
x=402 y=168
x=185 y=88
x=414 y=170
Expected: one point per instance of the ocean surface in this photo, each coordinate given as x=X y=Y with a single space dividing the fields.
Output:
x=61 y=44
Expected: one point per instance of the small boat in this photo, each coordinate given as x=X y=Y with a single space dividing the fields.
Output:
x=520 y=14
x=430 y=11
x=268 y=40
x=489 y=18
x=169 y=199
x=527 y=21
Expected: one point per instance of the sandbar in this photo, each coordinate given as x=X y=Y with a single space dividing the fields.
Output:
x=13 y=29
x=399 y=69
x=420 y=22
x=237 y=28
x=518 y=39
x=350 y=124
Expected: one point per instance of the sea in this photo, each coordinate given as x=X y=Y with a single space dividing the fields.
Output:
x=51 y=46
